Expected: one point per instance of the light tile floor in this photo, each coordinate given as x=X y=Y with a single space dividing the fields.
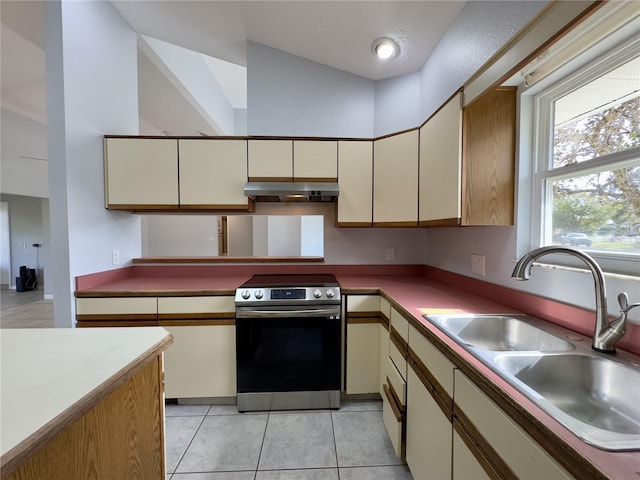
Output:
x=25 y=309
x=215 y=442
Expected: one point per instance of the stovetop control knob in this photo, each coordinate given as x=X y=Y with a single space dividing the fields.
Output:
x=246 y=294
x=317 y=293
x=258 y=294
x=330 y=293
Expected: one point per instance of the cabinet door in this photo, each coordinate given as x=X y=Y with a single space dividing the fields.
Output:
x=465 y=464
x=363 y=362
x=315 y=161
x=395 y=180
x=201 y=362
x=355 y=175
x=514 y=448
x=212 y=174
x=488 y=159
x=141 y=173
x=270 y=160
x=441 y=166
x=429 y=433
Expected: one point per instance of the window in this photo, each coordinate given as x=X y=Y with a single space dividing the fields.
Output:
x=586 y=179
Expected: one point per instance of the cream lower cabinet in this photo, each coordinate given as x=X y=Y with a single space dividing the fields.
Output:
x=202 y=360
x=394 y=396
x=117 y=312
x=465 y=465
x=429 y=403
x=503 y=447
x=363 y=339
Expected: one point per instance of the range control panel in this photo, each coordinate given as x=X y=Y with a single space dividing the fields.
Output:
x=282 y=295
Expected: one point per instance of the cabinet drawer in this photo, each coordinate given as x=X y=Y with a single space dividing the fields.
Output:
x=397 y=383
x=142 y=308
x=400 y=324
x=385 y=308
x=513 y=445
x=439 y=365
x=196 y=307
x=399 y=359
x=393 y=421
x=363 y=303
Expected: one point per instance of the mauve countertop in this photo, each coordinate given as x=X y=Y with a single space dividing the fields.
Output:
x=415 y=294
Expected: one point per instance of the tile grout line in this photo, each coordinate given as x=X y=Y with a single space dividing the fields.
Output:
x=190 y=442
x=335 y=444
x=264 y=436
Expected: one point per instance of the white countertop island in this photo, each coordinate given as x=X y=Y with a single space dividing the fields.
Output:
x=51 y=379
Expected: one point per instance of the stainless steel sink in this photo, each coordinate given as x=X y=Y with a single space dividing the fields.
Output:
x=595 y=396
x=499 y=333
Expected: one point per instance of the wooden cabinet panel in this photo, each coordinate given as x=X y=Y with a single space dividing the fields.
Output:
x=315 y=160
x=120 y=437
x=489 y=134
x=514 y=446
x=441 y=166
x=270 y=160
x=141 y=173
x=429 y=433
x=201 y=362
x=355 y=176
x=395 y=180
x=212 y=174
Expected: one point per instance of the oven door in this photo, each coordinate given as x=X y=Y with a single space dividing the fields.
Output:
x=287 y=352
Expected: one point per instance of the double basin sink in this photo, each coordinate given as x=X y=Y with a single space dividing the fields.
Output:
x=595 y=396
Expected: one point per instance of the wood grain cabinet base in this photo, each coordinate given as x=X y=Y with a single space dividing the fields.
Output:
x=122 y=437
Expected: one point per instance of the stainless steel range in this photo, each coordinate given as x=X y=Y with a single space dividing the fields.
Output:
x=288 y=342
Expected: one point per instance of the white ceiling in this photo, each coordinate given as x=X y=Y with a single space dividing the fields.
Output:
x=334 y=33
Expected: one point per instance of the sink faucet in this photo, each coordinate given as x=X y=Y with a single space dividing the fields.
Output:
x=605 y=334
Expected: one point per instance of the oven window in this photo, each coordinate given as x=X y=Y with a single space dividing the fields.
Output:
x=288 y=354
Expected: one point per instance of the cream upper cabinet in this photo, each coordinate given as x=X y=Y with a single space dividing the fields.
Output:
x=270 y=160
x=395 y=180
x=355 y=176
x=212 y=174
x=315 y=160
x=141 y=173
x=441 y=166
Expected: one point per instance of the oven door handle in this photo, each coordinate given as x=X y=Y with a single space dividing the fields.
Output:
x=316 y=312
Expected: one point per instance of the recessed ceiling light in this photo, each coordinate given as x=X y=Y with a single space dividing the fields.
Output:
x=385 y=48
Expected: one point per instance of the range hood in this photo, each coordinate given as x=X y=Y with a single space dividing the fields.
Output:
x=291 y=191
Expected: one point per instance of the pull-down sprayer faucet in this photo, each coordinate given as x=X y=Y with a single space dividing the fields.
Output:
x=605 y=334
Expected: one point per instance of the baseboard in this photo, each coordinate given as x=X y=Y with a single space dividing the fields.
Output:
x=48 y=296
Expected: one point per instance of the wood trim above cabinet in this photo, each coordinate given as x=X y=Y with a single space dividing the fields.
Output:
x=395 y=224
x=445 y=222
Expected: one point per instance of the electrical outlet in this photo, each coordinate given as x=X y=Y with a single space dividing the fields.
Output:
x=477 y=264
x=391 y=253
x=115 y=257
